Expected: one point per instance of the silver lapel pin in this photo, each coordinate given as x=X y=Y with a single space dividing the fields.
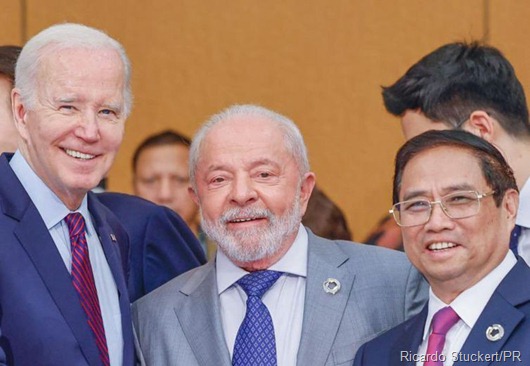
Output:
x=495 y=332
x=331 y=286
x=113 y=237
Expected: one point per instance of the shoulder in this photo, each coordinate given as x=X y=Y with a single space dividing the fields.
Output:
x=359 y=255
x=179 y=287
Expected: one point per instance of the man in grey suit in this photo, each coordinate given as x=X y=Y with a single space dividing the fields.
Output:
x=322 y=299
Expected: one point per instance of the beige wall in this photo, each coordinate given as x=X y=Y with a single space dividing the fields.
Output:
x=319 y=62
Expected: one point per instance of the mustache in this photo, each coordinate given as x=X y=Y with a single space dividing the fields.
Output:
x=247 y=213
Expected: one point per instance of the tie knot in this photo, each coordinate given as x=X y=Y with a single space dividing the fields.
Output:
x=76 y=223
x=443 y=320
x=257 y=283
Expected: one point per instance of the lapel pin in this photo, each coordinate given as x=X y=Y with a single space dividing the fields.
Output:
x=495 y=332
x=113 y=237
x=331 y=286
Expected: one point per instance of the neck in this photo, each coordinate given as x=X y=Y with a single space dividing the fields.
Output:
x=517 y=154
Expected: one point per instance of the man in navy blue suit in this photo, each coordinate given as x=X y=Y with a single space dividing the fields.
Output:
x=456 y=200
x=63 y=293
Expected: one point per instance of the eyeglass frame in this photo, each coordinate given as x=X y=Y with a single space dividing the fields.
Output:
x=480 y=196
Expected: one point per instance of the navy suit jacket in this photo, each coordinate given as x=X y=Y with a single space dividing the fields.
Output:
x=41 y=318
x=509 y=307
x=161 y=244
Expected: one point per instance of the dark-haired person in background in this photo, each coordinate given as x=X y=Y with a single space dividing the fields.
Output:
x=456 y=199
x=8 y=135
x=475 y=88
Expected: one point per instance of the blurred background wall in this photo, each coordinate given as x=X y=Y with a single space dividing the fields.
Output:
x=319 y=62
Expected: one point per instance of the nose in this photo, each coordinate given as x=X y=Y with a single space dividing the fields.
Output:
x=165 y=191
x=243 y=192
x=88 y=128
x=439 y=219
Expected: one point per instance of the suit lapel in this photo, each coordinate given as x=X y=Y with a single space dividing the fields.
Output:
x=409 y=340
x=200 y=318
x=501 y=310
x=323 y=311
x=111 y=248
x=37 y=242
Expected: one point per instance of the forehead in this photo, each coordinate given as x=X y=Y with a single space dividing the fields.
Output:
x=414 y=123
x=96 y=68
x=442 y=169
x=244 y=137
x=174 y=153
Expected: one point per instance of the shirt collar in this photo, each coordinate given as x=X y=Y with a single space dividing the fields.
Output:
x=293 y=262
x=478 y=296
x=523 y=214
x=50 y=207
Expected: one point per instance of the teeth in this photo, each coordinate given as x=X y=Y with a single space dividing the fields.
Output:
x=442 y=245
x=242 y=220
x=79 y=155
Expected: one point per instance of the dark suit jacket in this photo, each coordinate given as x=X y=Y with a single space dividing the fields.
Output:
x=509 y=306
x=41 y=318
x=161 y=244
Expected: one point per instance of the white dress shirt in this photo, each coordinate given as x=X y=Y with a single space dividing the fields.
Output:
x=53 y=211
x=468 y=305
x=284 y=300
x=523 y=220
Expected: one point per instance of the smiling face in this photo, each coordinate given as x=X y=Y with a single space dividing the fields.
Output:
x=73 y=131
x=250 y=190
x=454 y=254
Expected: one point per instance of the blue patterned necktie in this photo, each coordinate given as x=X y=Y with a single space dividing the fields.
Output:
x=514 y=238
x=255 y=344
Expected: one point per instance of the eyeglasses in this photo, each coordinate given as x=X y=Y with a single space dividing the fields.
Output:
x=457 y=205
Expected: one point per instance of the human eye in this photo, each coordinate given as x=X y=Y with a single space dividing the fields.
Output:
x=415 y=206
x=66 y=108
x=108 y=113
x=459 y=198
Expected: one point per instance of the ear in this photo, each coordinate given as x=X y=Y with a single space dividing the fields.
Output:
x=308 y=183
x=193 y=195
x=19 y=113
x=480 y=123
x=510 y=203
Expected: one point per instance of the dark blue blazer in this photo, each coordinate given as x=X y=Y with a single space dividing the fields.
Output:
x=509 y=306
x=161 y=244
x=41 y=318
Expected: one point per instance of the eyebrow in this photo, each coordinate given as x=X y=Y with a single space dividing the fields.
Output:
x=446 y=190
x=252 y=165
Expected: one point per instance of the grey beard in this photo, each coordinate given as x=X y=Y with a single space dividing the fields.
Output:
x=253 y=244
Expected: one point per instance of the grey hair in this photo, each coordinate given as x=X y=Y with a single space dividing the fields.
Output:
x=59 y=37
x=292 y=137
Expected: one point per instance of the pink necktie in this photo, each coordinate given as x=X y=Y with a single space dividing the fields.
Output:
x=83 y=281
x=442 y=321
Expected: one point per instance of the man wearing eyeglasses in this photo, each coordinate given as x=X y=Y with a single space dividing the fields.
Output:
x=472 y=87
x=456 y=201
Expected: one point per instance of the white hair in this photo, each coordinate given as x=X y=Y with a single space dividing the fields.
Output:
x=292 y=137
x=59 y=37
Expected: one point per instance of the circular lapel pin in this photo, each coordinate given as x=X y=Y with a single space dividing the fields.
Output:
x=331 y=286
x=494 y=332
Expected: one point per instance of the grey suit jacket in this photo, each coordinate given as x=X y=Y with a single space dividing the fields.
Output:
x=180 y=322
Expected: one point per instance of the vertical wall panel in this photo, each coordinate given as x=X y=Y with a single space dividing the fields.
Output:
x=10 y=19
x=321 y=63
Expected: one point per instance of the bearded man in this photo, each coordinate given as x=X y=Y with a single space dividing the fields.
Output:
x=275 y=294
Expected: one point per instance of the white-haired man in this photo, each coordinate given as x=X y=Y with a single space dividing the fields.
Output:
x=63 y=296
x=276 y=294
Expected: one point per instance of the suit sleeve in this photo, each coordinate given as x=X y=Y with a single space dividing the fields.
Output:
x=416 y=294
x=171 y=249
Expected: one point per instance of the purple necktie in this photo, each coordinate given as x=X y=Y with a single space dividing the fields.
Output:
x=442 y=321
x=83 y=281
